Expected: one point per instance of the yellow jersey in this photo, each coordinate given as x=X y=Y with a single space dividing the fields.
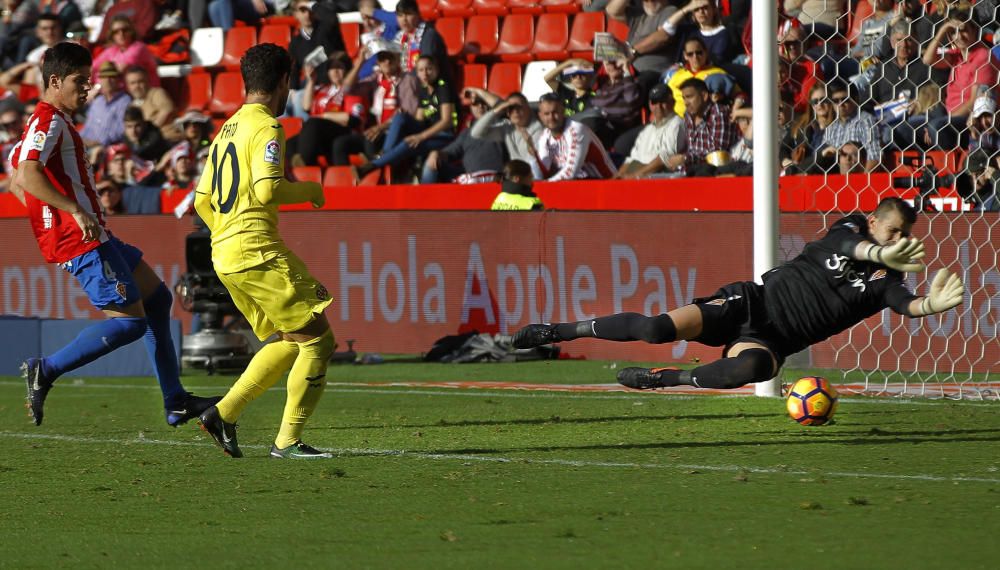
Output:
x=249 y=147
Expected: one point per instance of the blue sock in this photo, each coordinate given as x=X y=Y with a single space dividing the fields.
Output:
x=92 y=343
x=160 y=346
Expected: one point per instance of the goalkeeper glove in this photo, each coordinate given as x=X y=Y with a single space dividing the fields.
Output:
x=904 y=255
x=947 y=291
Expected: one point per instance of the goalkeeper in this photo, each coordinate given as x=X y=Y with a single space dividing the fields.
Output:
x=853 y=272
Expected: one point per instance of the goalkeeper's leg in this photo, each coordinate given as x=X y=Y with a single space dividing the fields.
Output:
x=684 y=323
x=746 y=363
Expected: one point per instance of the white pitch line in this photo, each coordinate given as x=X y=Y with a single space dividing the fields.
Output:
x=366 y=452
x=363 y=388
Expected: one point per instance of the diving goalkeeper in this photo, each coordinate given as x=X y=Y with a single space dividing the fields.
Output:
x=853 y=272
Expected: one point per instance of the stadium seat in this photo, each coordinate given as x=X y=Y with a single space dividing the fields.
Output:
x=581 y=35
x=351 y=32
x=207 y=45
x=618 y=29
x=473 y=75
x=238 y=41
x=533 y=85
x=505 y=78
x=428 y=9
x=490 y=7
x=291 y=125
x=339 y=176
x=561 y=6
x=524 y=7
x=374 y=177
x=452 y=30
x=516 y=38
x=482 y=34
x=460 y=8
x=227 y=93
x=275 y=34
x=196 y=92
x=308 y=174
x=551 y=37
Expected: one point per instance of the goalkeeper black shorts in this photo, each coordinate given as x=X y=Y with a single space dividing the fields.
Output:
x=736 y=313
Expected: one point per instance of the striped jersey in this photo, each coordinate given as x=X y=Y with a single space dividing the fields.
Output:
x=576 y=153
x=51 y=139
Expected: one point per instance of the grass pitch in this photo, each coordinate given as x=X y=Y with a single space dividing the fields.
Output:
x=462 y=478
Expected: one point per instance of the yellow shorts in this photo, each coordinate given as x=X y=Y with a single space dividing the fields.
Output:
x=277 y=295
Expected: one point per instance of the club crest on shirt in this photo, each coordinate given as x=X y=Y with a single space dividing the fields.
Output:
x=120 y=288
x=321 y=293
x=272 y=152
x=880 y=274
x=38 y=141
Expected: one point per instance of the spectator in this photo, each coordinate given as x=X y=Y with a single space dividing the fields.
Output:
x=154 y=102
x=11 y=128
x=979 y=181
x=798 y=72
x=196 y=128
x=418 y=38
x=105 y=123
x=25 y=77
x=698 y=64
x=119 y=166
x=568 y=150
x=180 y=172
x=432 y=127
x=708 y=124
x=873 y=28
x=224 y=13
x=660 y=147
x=516 y=188
x=511 y=122
x=706 y=25
x=972 y=74
x=16 y=28
x=643 y=19
x=380 y=93
x=573 y=81
x=821 y=17
x=333 y=112
x=110 y=195
x=125 y=50
x=375 y=23
x=982 y=127
x=318 y=28
x=142 y=137
x=48 y=32
x=619 y=100
x=466 y=160
x=741 y=154
x=899 y=81
x=851 y=158
x=852 y=124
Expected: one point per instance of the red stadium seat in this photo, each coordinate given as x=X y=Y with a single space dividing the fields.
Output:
x=482 y=34
x=227 y=93
x=581 y=36
x=473 y=75
x=452 y=30
x=238 y=41
x=275 y=34
x=308 y=174
x=428 y=9
x=339 y=176
x=291 y=125
x=505 y=78
x=461 y=8
x=494 y=7
x=351 y=31
x=524 y=7
x=196 y=92
x=551 y=37
x=288 y=21
x=561 y=6
x=516 y=38
x=619 y=29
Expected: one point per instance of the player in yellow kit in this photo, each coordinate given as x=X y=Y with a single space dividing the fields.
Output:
x=238 y=196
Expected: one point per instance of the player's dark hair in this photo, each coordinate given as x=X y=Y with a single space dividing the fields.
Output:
x=133 y=113
x=63 y=59
x=517 y=168
x=551 y=97
x=694 y=83
x=894 y=203
x=407 y=7
x=263 y=66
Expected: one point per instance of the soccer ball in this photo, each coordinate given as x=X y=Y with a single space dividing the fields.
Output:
x=812 y=401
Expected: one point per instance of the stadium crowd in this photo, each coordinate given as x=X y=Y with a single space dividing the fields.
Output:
x=864 y=87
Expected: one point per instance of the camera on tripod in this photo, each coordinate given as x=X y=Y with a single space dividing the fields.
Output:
x=214 y=346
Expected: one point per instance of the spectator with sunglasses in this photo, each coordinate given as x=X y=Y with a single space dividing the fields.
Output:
x=125 y=50
x=698 y=65
x=573 y=81
x=852 y=124
x=698 y=19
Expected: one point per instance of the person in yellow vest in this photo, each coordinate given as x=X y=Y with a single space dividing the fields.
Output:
x=515 y=188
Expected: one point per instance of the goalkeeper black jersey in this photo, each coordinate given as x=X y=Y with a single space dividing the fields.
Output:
x=825 y=290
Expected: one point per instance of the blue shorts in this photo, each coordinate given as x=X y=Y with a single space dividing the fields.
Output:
x=105 y=273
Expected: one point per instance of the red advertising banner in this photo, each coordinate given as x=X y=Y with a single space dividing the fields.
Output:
x=402 y=279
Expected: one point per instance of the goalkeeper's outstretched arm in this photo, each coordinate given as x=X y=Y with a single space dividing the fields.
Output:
x=947 y=292
x=905 y=255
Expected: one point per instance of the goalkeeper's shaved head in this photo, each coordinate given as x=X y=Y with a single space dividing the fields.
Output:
x=894 y=204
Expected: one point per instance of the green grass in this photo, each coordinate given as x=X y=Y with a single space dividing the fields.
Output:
x=450 y=478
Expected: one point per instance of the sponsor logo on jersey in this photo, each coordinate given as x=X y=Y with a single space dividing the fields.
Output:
x=722 y=301
x=844 y=270
x=880 y=274
x=37 y=141
x=272 y=152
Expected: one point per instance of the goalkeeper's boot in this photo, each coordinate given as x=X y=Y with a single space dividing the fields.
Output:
x=535 y=335
x=298 y=450
x=190 y=407
x=646 y=378
x=38 y=388
x=223 y=433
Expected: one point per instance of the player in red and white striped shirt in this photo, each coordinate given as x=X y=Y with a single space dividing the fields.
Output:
x=568 y=150
x=56 y=183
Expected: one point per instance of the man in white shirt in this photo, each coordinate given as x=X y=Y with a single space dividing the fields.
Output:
x=664 y=136
x=568 y=150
